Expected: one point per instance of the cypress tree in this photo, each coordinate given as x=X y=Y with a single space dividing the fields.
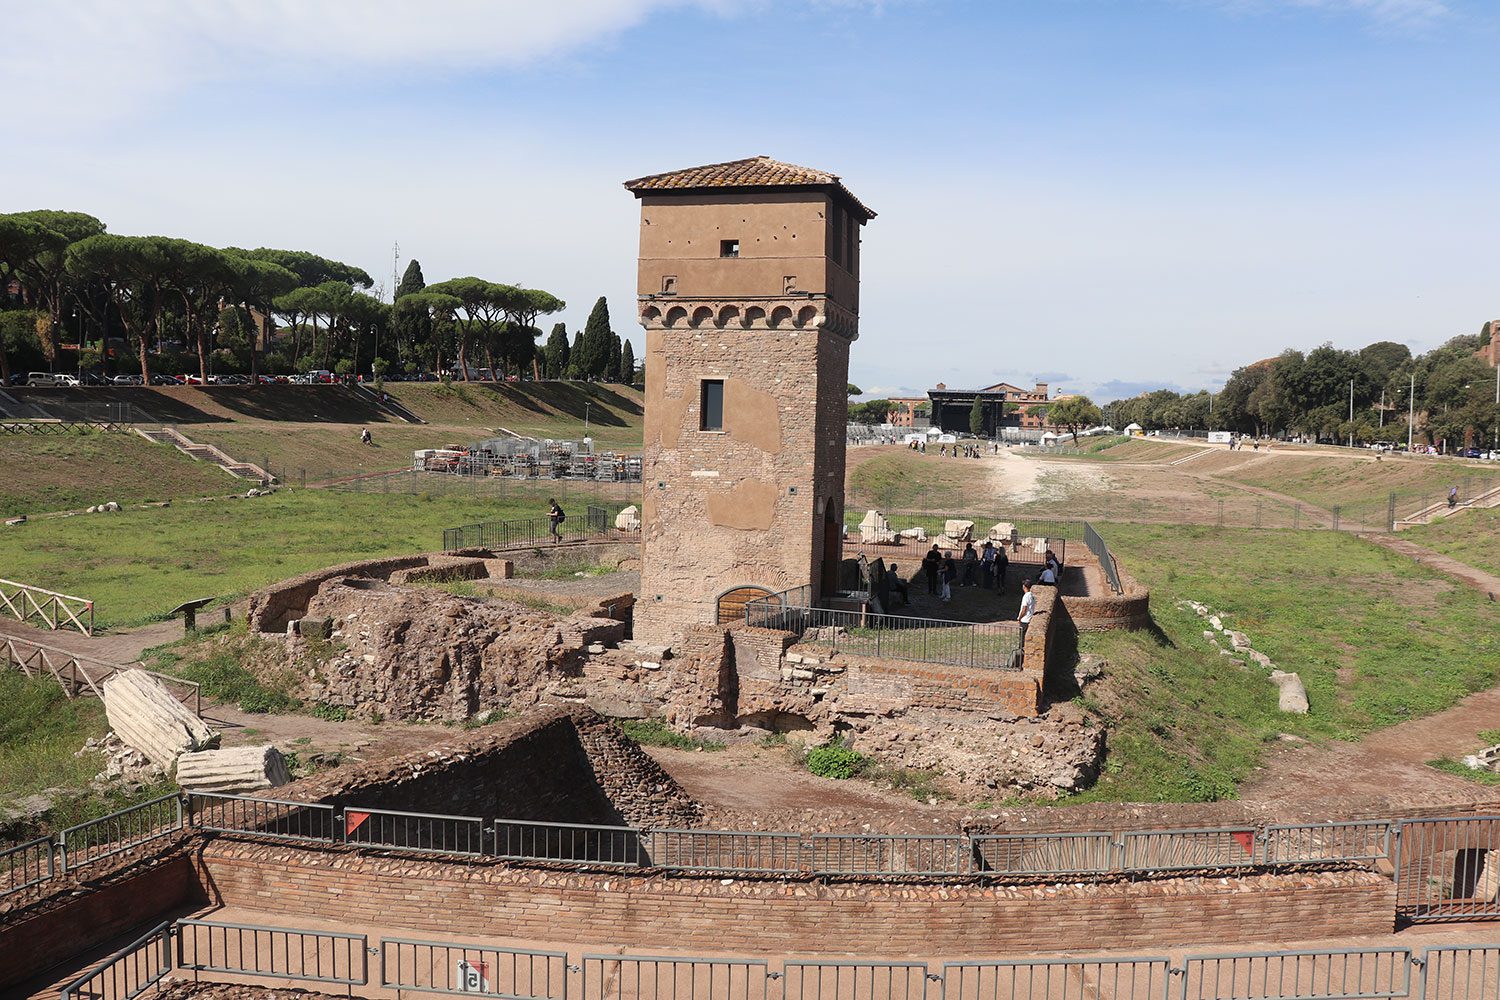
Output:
x=976 y=419
x=612 y=371
x=597 y=338
x=627 y=364
x=557 y=352
x=575 y=358
x=411 y=279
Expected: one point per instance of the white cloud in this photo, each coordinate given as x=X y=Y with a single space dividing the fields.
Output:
x=89 y=60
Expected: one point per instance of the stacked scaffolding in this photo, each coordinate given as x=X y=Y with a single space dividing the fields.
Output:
x=530 y=458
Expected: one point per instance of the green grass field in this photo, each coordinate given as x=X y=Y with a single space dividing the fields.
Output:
x=1329 y=480
x=139 y=564
x=1472 y=537
x=1376 y=640
x=70 y=471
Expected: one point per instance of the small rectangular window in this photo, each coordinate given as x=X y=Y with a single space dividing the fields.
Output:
x=729 y=248
x=711 y=405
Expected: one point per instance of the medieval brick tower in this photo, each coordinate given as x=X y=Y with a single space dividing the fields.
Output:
x=749 y=293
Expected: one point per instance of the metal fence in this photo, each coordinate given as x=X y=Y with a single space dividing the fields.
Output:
x=130 y=971
x=1096 y=545
x=652 y=977
x=530 y=532
x=1442 y=868
x=988 y=645
x=1448 y=869
x=1337 y=974
x=28 y=864
x=208 y=949
x=448 y=968
x=119 y=831
x=272 y=952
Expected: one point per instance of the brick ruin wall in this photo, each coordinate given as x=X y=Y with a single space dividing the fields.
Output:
x=565 y=765
x=717 y=916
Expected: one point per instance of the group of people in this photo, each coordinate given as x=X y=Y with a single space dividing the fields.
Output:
x=954 y=450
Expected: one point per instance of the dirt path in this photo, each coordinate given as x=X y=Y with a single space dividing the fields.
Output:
x=121 y=647
x=1485 y=583
x=1386 y=768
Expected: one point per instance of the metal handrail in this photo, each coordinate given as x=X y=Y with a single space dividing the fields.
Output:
x=1097 y=546
x=27 y=864
x=124 y=967
x=123 y=829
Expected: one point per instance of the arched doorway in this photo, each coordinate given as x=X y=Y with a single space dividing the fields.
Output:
x=730 y=605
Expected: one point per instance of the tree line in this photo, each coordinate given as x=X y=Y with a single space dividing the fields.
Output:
x=66 y=280
x=1448 y=392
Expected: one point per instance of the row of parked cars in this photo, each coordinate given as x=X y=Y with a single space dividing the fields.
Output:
x=50 y=380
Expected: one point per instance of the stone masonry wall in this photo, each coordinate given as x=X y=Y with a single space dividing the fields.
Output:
x=713 y=916
x=554 y=765
x=741 y=506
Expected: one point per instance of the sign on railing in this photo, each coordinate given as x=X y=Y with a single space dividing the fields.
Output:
x=447 y=968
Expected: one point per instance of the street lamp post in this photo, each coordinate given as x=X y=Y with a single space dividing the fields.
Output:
x=1411 y=411
x=586 y=406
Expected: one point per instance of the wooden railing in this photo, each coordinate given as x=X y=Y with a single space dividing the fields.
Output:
x=84 y=675
x=28 y=603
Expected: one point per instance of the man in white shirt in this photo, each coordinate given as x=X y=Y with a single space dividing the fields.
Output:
x=1028 y=608
x=1049 y=576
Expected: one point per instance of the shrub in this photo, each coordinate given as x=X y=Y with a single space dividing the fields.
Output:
x=650 y=733
x=836 y=761
x=329 y=713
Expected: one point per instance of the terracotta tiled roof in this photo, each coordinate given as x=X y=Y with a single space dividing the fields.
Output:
x=751 y=172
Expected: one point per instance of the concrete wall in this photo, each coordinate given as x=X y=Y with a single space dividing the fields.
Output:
x=778 y=918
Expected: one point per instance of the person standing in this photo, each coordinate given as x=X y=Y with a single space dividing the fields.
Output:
x=1028 y=608
x=555 y=518
x=1002 y=563
x=987 y=565
x=932 y=562
x=950 y=574
x=971 y=565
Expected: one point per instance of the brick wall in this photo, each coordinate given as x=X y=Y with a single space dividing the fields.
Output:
x=1131 y=610
x=778 y=918
x=33 y=942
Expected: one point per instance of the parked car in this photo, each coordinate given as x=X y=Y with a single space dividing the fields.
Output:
x=161 y=378
x=186 y=379
x=43 y=380
x=93 y=378
x=126 y=380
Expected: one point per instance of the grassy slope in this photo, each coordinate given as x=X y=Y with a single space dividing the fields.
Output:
x=1326 y=480
x=456 y=414
x=139 y=564
x=69 y=471
x=906 y=480
x=1472 y=537
x=40 y=730
x=540 y=409
x=1186 y=723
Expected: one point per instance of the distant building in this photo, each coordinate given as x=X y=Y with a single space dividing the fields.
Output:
x=951 y=407
x=1490 y=353
x=904 y=410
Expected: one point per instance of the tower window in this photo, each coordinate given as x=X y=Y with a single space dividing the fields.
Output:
x=711 y=405
x=729 y=248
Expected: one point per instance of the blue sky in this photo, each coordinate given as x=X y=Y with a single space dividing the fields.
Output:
x=1108 y=194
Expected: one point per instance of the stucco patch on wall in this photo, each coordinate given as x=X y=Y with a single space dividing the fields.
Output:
x=750 y=415
x=750 y=505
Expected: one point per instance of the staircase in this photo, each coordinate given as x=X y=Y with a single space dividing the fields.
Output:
x=206 y=453
x=13 y=409
x=1435 y=511
x=389 y=404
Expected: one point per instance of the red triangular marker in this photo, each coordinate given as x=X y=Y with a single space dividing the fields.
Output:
x=352 y=821
x=1245 y=840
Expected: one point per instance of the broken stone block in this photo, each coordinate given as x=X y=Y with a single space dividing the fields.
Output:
x=875 y=528
x=629 y=519
x=236 y=771
x=1216 y=622
x=915 y=534
x=1259 y=657
x=499 y=569
x=14 y=521
x=313 y=628
x=146 y=716
x=1238 y=639
x=1293 y=697
x=1003 y=531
